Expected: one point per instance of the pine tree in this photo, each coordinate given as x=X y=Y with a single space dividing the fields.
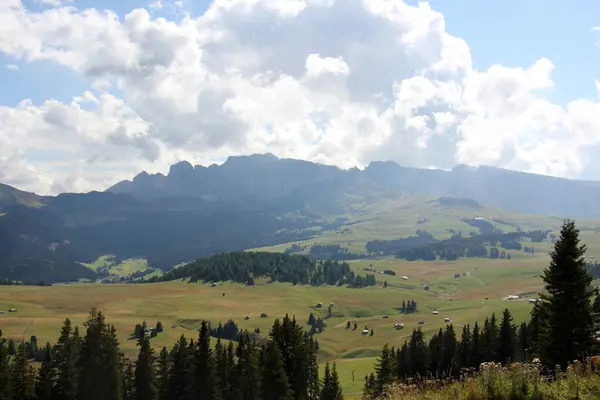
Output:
x=5 y=381
x=22 y=376
x=507 y=338
x=162 y=374
x=44 y=385
x=66 y=353
x=128 y=382
x=247 y=371
x=449 y=351
x=370 y=388
x=275 y=385
x=465 y=348
x=566 y=319
x=332 y=390
x=384 y=371
x=205 y=375
x=418 y=353
x=145 y=375
x=477 y=353
x=100 y=361
x=180 y=381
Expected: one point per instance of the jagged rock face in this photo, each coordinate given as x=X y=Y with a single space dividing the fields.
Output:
x=265 y=178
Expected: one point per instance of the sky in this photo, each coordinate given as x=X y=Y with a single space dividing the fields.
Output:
x=93 y=92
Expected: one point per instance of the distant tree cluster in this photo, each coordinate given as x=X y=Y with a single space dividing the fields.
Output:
x=336 y=273
x=229 y=331
x=485 y=227
x=317 y=325
x=501 y=254
x=332 y=252
x=10 y=282
x=408 y=307
x=92 y=367
x=530 y=250
x=458 y=246
x=388 y=247
x=142 y=330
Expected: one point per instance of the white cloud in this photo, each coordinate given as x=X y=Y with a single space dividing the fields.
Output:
x=12 y=67
x=334 y=81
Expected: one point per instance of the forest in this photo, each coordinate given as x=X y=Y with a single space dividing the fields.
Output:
x=89 y=365
x=243 y=267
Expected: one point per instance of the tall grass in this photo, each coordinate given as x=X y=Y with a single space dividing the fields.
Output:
x=581 y=380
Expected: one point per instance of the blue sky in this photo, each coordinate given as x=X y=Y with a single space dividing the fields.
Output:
x=493 y=119
x=508 y=32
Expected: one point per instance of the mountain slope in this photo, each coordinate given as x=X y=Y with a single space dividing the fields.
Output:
x=267 y=178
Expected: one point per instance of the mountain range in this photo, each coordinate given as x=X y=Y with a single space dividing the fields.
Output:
x=248 y=201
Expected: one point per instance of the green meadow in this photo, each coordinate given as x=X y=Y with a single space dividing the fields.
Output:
x=472 y=296
x=465 y=290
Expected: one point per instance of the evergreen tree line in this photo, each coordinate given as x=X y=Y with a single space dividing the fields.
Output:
x=424 y=247
x=91 y=367
x=243 y=267
x=11 y=282
x=563 y=327
x=448 y=355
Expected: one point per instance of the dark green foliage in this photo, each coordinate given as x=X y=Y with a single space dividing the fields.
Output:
x=274 y=382
x=332 y=390
x=408 y=307
x=567 y=322
x=145 y=373
x=128 y=380
x=44 y=385
x=180 y=372
x=5 y=381
x=22 y=376
x=424 y=247
x=99 y=361
x=507 y=340
x=229 y=331
x=205 y=375
x=162 y=374
x=66 y=355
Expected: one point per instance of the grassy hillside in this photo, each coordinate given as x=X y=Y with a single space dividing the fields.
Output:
x=400 y=216
x=43 y=309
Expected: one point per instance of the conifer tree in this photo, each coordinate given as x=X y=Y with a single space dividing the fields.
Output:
x=100 y=361
x=370 y=388
x=66 y=353
x=507 y=338
x=477 y=353
x=5 y=381
x=275 y=385
x=145 y=375
x=205 y=375
x=247 y=371
x=22 y=376
x=162 y=374
x=418 y=353
x=465 y=348
x=44 y=385
x=384 y=371
x=128 y=381
x=449 y=351
x=332 y=390
x=567 y=323
x=180 y=381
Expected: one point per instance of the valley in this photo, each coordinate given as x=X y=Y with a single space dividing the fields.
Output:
x=120 y=251
x=42 y=310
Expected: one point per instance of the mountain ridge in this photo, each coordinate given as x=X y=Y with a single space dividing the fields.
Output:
x=267 y=178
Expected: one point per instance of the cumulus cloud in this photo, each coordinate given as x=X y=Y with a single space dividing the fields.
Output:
x=343 y=82
x=12 y=67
